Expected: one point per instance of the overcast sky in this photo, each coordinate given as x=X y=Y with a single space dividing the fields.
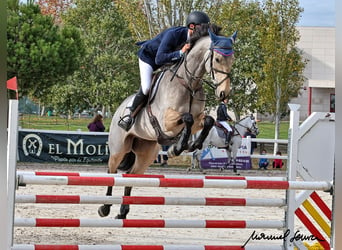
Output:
x=317 y=13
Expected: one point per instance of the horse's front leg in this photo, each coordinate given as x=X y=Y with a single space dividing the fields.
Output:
x=124 y=208
x=198 y=143
x=182 y=144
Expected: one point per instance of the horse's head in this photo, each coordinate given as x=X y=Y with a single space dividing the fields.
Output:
x=254 y=127
x=251 y=124
x=248 y=122
x=221 y=57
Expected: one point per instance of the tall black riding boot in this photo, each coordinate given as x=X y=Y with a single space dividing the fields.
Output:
x=139 y=101
x=228 y=137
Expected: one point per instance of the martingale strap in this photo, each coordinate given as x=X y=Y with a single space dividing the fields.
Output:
x=162 y=138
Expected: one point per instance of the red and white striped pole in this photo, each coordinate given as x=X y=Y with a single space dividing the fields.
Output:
x=144 y=247
x=167 y=223
x=150 y=200
x=169 y=182
x=167 y=176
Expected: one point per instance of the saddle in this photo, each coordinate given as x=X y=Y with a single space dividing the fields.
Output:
x=222 y=131
x=156 y=78
x=158 y=75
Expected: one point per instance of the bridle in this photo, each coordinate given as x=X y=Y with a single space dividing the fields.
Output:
x=251 y=128
x=215 y=84
x=193 y=78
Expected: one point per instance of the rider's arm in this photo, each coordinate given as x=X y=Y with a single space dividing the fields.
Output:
x=167 y=51
x=224 y=109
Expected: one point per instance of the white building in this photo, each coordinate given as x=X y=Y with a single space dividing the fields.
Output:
x=318 y=93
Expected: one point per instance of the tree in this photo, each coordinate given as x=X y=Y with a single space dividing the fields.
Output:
x=148 y=18
x=248 y=59
x=283 y=64
x=268 y=70
x=55 y=8
x=40 y=53
x=109 y=68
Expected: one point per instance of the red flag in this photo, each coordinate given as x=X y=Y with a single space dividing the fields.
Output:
x=12 y=84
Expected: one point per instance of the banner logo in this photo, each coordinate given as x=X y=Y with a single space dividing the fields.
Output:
x=32 y=145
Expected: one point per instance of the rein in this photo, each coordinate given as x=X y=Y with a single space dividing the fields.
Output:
x=212 y=70
x=187 y=85
x=193 y=78
x=238 y=123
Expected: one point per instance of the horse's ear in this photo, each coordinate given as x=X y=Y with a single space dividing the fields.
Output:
x=213 y=37
x=233 y=37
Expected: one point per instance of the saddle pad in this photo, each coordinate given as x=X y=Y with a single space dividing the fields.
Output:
x=155 y=85
x=220 y=132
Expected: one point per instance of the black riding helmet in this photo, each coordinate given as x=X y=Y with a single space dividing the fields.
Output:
x=197 y=17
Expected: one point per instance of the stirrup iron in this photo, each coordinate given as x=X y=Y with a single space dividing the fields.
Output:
x=126 y=122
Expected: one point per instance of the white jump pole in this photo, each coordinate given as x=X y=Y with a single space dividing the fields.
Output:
x=292 y=171
x=11 y=167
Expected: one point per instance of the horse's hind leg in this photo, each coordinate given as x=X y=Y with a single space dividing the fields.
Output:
x=182 y=144
x=104 y=210
x=124 y=208
x=145 y=153
x=198 y=143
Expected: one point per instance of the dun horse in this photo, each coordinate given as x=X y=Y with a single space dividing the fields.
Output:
x=175 y=110
x=217 y=138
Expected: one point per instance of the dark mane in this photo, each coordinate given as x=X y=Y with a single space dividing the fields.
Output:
x=202 y=31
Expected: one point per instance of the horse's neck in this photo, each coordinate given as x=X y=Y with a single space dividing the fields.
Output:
x=194 y=65
x=241 y=128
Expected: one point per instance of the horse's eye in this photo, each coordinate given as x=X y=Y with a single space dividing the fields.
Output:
x=217 y=60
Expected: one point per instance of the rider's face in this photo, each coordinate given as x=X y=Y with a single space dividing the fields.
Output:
x=192 y=28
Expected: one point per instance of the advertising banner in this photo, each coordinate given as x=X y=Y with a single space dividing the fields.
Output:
x=213 y=157
x=62 y=146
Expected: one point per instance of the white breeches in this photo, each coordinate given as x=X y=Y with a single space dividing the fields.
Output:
x=226 y=125
x=146 y=72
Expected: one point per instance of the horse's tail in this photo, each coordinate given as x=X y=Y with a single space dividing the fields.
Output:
x=127 y=162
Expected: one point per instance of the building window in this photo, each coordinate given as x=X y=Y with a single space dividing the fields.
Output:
x=332 y=103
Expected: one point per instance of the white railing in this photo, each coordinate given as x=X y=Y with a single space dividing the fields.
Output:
x=269 y=156
x=256 y=156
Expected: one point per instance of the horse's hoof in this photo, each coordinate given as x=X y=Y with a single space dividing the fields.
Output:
x=120 y=216
x=103 y=211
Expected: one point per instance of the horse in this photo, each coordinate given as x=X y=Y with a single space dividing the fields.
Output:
x=174 y=111
x=217 y=138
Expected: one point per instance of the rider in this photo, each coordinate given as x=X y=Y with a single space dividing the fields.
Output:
x=223 y=117
x=162 y=49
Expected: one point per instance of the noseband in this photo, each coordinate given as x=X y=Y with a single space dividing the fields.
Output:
x=215 y=84
x=253 y=127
